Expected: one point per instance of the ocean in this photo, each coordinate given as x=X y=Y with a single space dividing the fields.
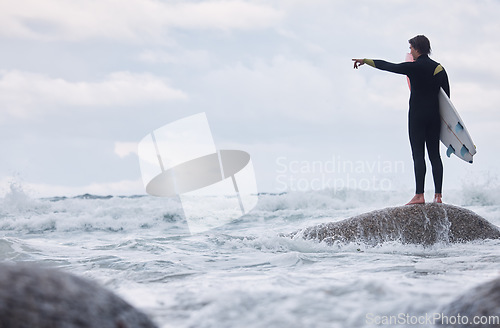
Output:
x=248 y=273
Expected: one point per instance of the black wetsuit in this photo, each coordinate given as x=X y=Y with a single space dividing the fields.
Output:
x=424 y=123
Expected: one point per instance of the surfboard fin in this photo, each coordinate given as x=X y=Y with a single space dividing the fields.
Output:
x=459 y=127
x=450 y=151
x=464 y=150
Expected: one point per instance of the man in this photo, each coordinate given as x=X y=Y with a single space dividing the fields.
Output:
x=424 y=123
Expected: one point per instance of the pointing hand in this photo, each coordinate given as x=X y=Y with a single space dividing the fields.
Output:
x=358 y=62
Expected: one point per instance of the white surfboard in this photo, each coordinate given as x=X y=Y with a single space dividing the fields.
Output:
x=454 y=134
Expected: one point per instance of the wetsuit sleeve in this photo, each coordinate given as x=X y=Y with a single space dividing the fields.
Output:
x=440 y=72
x=445 y=83
x=402 y=68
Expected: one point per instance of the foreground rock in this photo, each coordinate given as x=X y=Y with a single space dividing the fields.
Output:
x=479 y=307
x=416 y=224
x=35 y=297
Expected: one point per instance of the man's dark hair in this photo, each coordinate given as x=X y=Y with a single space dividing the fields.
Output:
x=421 y=44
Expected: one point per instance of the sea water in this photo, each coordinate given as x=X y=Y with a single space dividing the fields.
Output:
x=248 y=273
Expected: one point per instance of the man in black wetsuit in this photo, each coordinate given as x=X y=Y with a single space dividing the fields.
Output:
x=426 y=78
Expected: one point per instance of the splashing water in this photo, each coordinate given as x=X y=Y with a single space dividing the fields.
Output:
x=244 y=274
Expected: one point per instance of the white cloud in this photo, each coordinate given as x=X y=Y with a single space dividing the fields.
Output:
x=283 y=87
x=192 y=58
x=131 y=19
x=476 y=98
x=23 y=94
x=123 y=149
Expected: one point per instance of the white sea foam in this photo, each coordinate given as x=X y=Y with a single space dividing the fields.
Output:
x=246 y=273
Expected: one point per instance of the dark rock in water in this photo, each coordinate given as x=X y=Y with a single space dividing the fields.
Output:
x=424 y=224
x=35 y=297
x=482 y=303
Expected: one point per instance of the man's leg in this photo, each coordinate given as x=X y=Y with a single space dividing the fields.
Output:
x=417 y=141
x=432 y=142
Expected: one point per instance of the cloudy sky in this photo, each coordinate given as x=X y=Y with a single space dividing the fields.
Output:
x=82 y=82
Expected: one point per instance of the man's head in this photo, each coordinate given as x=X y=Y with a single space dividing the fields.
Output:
x=421 y=44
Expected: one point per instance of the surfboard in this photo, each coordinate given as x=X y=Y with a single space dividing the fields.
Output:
x=454 y=134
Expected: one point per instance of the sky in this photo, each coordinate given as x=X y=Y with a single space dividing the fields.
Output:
x=82 y=82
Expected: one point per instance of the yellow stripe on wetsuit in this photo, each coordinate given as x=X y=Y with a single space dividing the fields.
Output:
x=369 y=62
x=438 y=69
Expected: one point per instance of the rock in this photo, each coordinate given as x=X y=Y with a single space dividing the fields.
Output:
x=424 y=224
x=32 y=296
x=482 y=303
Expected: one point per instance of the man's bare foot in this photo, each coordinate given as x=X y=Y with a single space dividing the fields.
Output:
x=437 y=198
x=417 y=199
